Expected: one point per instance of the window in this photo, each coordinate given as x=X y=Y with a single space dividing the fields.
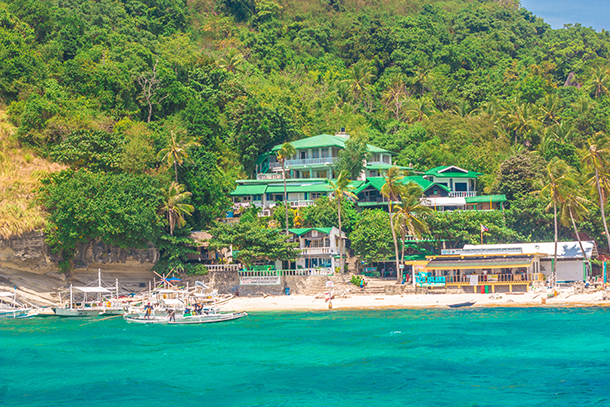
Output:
x=303 y=155
x=374 y=173
x=461 y=186
x=315 y=153
x=321 y=174
x=305 y=174
x=256 y=197
x=316 y=195
x=324 y=152
x=385 y=158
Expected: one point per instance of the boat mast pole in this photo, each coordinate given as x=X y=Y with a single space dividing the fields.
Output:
x=99 y=277
x=71 y=296
x=117 y=289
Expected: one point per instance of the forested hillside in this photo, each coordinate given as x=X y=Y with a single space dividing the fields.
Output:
x=111 y=93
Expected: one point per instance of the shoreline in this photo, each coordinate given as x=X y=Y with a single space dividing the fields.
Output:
x=421 y=301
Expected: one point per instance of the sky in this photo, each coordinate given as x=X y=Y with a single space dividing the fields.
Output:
x=589 y=13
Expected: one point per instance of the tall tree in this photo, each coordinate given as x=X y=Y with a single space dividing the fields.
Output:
x=555 y=188
x=597 y=160
x=176 y=151
x=173 y=206
x=409 y=215
x=341 y=189
x=285 y=152
x=599 y=81
x=151 y=84
x=574 y=208
x=392 y=190
x=360 y=78
x=352 y=158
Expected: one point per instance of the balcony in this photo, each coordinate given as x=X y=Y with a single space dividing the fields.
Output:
x=269 y=176
x=305 y=161
x=300 y=204
x=315 y=250
x=462 y=194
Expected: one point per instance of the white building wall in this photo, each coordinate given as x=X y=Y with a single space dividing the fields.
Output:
x=568 y=270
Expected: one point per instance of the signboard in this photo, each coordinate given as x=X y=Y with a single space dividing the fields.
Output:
x=330 y=284
x=492 y=278
x=260 y=280
x=428 y=280
x=474 y=279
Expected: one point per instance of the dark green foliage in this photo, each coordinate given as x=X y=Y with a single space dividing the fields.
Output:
x=372 y=237
x=253 y=242
x=90 y=149
x=352 y=158
x=205 y=180
x=323 y=214
x=119 y=209
x=173 y=251
x=517 y=175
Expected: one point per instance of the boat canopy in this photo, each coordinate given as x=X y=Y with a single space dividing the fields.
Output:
x=93 y=290
x=6 y=294
x=172 y=301
x=474 y=264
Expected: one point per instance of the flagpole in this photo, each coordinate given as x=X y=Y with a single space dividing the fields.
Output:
x=481 y=236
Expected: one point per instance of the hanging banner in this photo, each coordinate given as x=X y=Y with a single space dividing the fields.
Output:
x=260 y=280
x=474 y=279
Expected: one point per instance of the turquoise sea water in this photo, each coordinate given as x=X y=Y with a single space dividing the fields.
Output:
x=472 y=357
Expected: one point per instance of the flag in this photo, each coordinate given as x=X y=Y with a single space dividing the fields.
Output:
x=484 y=229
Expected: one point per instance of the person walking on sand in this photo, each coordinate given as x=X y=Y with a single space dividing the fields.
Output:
x=362 y=283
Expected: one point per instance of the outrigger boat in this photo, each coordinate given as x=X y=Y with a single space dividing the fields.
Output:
x=462 y=304
x=105 y=303
x=208 y=315
x=10 y=308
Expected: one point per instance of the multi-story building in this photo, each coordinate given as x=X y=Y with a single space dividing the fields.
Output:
x=315 y=162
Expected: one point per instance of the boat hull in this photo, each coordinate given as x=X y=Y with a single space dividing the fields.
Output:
x=188 y=320
x=461 y=304
x=16 y=313
x=75 y=312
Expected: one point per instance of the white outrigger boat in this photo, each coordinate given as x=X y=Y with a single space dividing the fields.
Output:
x=208 y=315
x=11 y=308
x=106 y=303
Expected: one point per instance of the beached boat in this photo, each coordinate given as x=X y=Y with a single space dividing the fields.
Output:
x=84 y=308
x=206 y=317
x=11 y=308
x=462 y=304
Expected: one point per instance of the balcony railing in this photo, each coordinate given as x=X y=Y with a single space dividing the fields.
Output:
x=304 y=161
x=323 y=271
x=223 y=267
x=462 y=194
x=278 y=175
x=316 y=250
x=497 y=278
x=300 y=204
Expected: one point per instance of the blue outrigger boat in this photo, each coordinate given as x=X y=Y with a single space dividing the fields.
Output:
x=462 y=304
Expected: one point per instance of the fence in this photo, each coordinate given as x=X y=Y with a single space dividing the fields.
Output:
x=223 y=267
x=292 y=272
x=497 y=278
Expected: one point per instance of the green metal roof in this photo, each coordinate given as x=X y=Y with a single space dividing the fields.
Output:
x=376 y=182
x=451 y=173
x=271 y=189
x=361 y=188
x=302 y=231
x=385 y=167
x=379 y=182
x=326 y=140
x=485 y=198
x=244 y=190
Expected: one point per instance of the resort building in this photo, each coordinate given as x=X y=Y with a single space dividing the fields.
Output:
x=308 y=171
x=505 y=267
x=319 y=249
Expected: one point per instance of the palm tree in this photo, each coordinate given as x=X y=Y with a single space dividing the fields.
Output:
x=409 y=214
x=597 y=160
x=574 y=209
x=556 y=188
x=599 y=81
x=418 y=110
x=550 y=109
x=176 y=151
x=392 y=190
x=360 y=77
x=286 y=151
x=522 y=119
x=421 y=77
x=394 y=96
x=341 y=189
x=231 y=61
x=173 y=207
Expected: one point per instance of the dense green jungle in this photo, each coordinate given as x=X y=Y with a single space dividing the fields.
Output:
x=119 y=118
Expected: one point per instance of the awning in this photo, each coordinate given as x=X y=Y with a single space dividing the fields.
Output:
x=443 y=202
x=279 y=189
x=92 y=289
x=6 y=294
x=245 y=190
x=475 y=264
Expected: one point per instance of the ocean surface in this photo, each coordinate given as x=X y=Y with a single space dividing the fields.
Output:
x=589 y=13
x=470 y=357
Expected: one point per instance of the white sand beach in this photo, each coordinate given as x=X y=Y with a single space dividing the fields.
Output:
x=309 y=303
